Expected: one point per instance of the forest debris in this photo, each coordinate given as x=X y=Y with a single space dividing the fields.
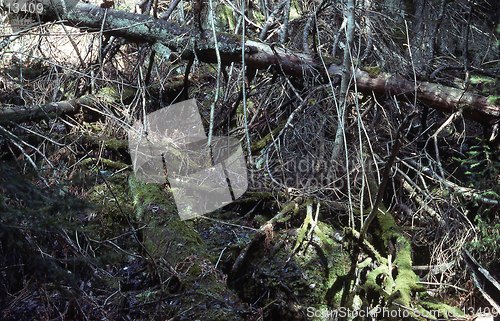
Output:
x=483 y=280
x=262 y=56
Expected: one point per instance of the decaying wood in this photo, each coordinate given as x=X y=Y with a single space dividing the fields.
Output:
x=190 y=43
x=176 y=243
x=466 y=192
x=18 y=114
x=443 y=98
x=487 y=284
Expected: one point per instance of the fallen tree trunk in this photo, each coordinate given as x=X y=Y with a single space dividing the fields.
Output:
x=190 y=43
x=443 y=98
x=180 y=258
x=92 y=102
x=17 y=114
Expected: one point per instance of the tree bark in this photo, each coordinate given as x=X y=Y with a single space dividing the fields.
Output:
x=444 y=98
x=17 y=114
x=188 y=42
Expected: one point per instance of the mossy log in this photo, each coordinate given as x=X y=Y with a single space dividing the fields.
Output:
x=89 y=104
x=400 y=279
x=295 y=275
x=18 y=114
x=393 y=280
x=200 y=289
x=142 y=28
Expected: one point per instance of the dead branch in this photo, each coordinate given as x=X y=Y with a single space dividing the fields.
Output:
x=17 y=114
x=142 y=28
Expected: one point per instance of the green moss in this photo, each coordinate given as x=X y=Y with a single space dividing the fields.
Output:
x=261 y=143
x=165 y=235
x=441 y=309
x=373 y=71
x=479 y=79
x=112 y=94
x=111 y=200
x=406 y=280
x=106 y=162
x=146 y=194
x=338 y=259
x=379 y=273
x=301 y=232
x=186 y=231
x=334 y=261
x=226 y=17
x=147 y=296
x=114 y=144
x=493 y=99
